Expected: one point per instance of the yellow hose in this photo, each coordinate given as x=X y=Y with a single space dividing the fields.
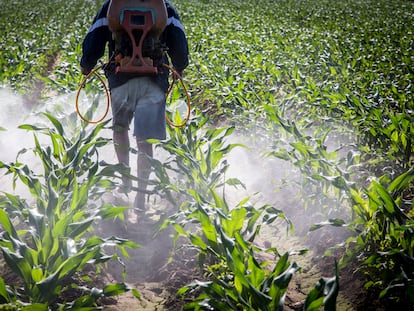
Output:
x=108 y=97
x=175 y=74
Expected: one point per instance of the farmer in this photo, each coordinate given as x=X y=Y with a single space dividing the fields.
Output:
x=136 y=97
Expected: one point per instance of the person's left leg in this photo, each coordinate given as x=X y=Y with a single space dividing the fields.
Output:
x=121 y=143
x=122 y=111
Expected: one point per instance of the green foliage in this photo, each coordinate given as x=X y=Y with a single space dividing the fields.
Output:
x=238 y=275
x=235 y=275
x=41 y=33
x=196 y=159
x=49 y=242
x=385 y=241
x=324 y=293
x=229 y=258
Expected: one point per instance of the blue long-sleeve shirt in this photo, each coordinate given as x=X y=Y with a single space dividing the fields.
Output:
x=99 y=35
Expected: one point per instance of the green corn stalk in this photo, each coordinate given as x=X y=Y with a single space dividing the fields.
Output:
x=49 y=243
x=237 y=280
x=385 y=240
x=324 y=294
x=324 y=171
x=196 y=159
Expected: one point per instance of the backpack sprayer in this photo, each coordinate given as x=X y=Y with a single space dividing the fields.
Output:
x=136 y=26
x=136 y=31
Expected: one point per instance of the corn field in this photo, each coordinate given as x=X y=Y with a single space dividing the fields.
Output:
x=324 y=87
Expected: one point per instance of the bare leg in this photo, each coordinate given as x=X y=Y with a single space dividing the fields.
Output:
x=121 y=142
x=144 y=169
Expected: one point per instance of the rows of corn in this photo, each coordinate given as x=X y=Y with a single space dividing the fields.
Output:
x=325 y=86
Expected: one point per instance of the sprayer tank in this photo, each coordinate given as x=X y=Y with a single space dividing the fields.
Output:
x=155 y=9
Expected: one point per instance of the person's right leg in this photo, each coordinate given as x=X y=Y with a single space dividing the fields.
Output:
x=144 y=169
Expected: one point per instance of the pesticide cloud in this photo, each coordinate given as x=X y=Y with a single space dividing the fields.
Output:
x=12 y=140
x=270 y=180
x=14 y=112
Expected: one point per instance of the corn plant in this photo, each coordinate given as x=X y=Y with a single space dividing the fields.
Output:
x=236 y=276
x=382 y=243
x=196 y=159
x=228 y=257
x=326 y=173
x=50 y=242
x=385 y=240
x=323 y=294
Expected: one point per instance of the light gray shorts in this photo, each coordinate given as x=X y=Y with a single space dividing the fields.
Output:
x=143 y=100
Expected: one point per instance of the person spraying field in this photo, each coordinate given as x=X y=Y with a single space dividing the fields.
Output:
x=143 y=36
